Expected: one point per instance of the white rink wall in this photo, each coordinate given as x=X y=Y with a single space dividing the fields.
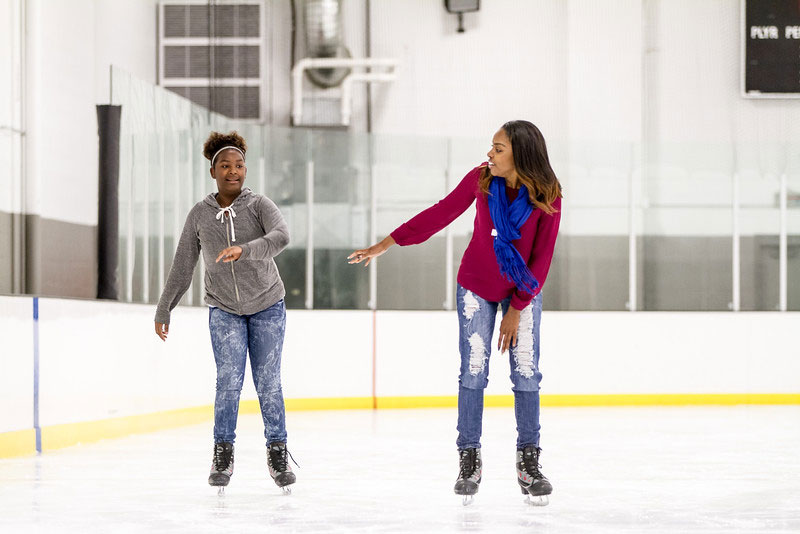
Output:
x=100 y=360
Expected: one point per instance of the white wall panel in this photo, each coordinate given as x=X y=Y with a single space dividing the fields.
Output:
x=509 y=64
x=70 y=48
x=418 y=355
x=16 y=364
x=665 y=352
x=63 y=106
x=101 y=360
x=327 y=354
x=125 y=36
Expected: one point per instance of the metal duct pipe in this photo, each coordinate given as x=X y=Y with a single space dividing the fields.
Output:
x=323 y=39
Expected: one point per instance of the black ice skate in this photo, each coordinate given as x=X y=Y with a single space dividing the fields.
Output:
x=531 y=481
x=221 y=466
x=279 y=468
x=469 y=474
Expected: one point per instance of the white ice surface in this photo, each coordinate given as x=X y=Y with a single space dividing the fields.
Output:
x=727 y=469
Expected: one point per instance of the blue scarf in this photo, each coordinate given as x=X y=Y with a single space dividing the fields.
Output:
x=507 y=222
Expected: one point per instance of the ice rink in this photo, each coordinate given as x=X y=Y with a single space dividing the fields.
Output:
x=693 y=469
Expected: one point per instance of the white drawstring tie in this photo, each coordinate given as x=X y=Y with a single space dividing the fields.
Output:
x=232 y=215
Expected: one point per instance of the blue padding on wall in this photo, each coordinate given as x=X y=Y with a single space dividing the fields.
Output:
x=36 y=426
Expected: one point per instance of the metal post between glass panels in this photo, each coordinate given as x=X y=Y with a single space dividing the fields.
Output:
x=736 y=238
x=131 y=237
x=162 y=211
x=782 y=248
x=309 y=233
x=373 y=237
x=632 y=252
x=178 y=211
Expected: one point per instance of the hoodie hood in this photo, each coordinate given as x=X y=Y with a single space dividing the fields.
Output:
x=211 y=198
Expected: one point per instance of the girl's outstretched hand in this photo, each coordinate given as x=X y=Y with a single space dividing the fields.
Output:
x=367 y=254
x=229 y=254
x=162 y=330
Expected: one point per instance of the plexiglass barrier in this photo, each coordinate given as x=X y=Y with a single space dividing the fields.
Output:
x=674 y=227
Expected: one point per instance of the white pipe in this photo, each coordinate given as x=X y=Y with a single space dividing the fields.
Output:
x=782 y=252
x=315 y=63
x=334 y=62
x=346 y=109
x=737 y=255
x=310 y=235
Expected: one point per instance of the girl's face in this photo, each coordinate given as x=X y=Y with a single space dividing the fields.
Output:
x=501 y=159
x=229 y=171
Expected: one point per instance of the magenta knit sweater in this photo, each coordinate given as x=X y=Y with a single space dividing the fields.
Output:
x=479 y=271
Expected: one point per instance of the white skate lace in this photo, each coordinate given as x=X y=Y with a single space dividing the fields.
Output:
x=222 y=460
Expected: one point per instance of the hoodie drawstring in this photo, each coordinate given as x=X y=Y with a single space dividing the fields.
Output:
x=231 y=215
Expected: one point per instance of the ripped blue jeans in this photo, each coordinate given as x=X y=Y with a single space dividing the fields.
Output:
x=232 y=336
x=476 y=318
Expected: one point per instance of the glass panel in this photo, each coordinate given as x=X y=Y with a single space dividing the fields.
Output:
x=342 y=194
x=286 y=152
x=793 y=226
x=759 y=223
x=684 y=217
x=411 y=176
x=590 y=264
x=162 y=175
x=687 y=244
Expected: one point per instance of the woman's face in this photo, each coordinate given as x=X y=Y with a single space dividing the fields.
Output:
x=501 y=159
x=229 y=171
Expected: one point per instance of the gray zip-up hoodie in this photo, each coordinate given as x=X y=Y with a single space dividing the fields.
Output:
x=245 y=286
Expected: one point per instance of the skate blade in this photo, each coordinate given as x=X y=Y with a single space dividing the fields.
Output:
x=466 y=500
x=286 y=490
x=537 y=500
x=221 y=491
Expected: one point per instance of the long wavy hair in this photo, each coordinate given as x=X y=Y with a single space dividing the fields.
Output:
x=532 y=165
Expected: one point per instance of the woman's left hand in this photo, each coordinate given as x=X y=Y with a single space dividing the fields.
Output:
x=508 y=330
x=229 y=254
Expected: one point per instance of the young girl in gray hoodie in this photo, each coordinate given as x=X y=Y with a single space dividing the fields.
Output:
x=239 y=234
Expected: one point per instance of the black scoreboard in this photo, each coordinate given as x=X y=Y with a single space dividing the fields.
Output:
x=771 y=48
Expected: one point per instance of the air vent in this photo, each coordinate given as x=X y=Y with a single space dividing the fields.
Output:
x=213 y=55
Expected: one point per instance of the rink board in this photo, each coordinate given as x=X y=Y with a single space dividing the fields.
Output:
x=102 y=373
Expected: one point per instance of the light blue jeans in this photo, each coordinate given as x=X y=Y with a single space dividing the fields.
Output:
x=476 y=318
x=232 y=336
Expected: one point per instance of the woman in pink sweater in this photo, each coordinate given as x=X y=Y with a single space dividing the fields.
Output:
x=505 y=266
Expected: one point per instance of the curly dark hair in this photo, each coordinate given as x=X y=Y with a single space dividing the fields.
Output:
x=217 y=140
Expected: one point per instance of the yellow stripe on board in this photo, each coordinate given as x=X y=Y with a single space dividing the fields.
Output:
x=324 y=403
x=601 y=400
x=60 y=436
x=23 y=442
x=17 y=443
x=671 y=399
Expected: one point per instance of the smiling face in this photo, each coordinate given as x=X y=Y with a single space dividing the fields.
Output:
x=501 y=158
x=229 y=171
